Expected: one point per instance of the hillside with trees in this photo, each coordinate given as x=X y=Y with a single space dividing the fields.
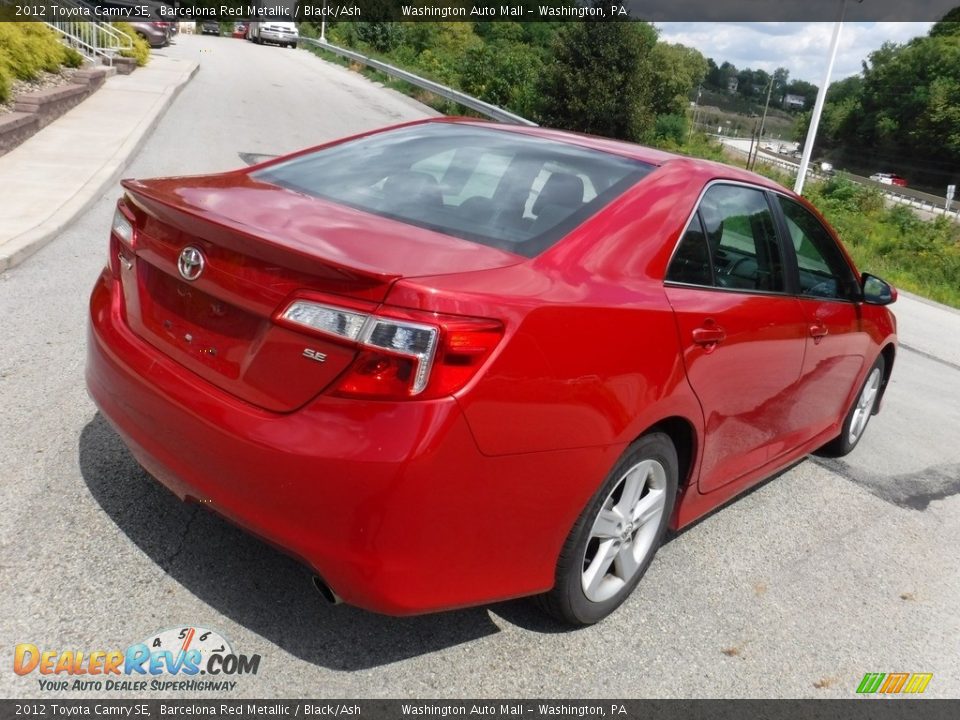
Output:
x=902 y=113
x=613 y=79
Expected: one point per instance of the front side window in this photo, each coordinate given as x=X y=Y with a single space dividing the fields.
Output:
x=511 y=191
x=823 y=271
x=734 y=229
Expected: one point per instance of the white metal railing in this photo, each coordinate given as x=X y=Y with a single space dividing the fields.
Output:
x=98 y=42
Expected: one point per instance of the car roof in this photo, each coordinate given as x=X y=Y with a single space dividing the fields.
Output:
x=651 y=156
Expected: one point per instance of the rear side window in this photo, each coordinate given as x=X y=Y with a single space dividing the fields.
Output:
x=734 y=232
x=510 y=191
x=691 y=263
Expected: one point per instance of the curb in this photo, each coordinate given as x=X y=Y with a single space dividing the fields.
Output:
x=26 y=244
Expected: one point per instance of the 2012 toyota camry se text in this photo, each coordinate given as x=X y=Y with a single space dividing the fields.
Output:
x=454 y=362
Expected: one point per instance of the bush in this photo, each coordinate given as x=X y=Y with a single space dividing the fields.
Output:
x=141 y=48
x=918 y=255
x=6 y=80
x=670 y=128
x=26 y=50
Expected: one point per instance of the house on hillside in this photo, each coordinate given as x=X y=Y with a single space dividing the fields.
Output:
x=794 y=102
x=732 y=85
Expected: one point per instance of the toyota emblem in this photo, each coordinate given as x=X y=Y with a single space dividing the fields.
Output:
x=191 y=262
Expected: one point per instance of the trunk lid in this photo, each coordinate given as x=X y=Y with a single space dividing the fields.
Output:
x=261 y=246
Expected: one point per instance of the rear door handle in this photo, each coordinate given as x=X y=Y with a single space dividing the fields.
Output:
x=709 y=336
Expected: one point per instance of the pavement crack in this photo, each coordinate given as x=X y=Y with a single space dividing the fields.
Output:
x=914 y=490
x=167 y=562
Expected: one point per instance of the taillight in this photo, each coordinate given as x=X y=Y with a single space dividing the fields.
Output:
x=403 y=354
x=122 y=239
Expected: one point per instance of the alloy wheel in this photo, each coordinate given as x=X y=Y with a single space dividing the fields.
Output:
x=624 y=531
x=864 y=406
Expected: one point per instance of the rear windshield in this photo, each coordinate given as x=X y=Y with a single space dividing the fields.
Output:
x=510 y=191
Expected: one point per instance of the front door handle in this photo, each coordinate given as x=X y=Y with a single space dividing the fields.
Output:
x=709 y=336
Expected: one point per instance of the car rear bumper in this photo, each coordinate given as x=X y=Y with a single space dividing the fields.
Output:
x=277 y=37
x=391 y=503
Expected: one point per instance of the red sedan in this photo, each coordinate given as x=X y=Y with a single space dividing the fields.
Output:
x=454 y=362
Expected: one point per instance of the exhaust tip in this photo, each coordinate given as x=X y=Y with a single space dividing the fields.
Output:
x=325 y=592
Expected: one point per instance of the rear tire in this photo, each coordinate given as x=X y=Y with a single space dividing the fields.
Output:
x=855 y=423
x=613 y=542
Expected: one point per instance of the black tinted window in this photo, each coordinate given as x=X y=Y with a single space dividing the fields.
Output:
x=691 y=262
x=742 y=239
x=510 y=191
x=823 y=271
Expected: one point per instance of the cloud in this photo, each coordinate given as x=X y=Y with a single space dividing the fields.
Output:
x=802 y=48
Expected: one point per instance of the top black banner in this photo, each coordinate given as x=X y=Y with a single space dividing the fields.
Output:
x=489 y=10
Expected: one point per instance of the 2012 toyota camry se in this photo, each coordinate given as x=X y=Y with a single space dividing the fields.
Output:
x=453 y=362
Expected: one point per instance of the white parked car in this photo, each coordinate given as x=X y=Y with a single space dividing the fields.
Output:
x=281 y=33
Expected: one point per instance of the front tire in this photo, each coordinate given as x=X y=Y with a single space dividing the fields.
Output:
x=855 y=423
x=613 y=542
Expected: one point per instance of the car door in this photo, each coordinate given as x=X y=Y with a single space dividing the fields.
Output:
x=829 y=295
x=742 y=334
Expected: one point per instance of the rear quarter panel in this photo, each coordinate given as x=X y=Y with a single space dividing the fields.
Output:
x=590 y=355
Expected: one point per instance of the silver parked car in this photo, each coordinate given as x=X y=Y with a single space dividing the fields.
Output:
x=281 y=33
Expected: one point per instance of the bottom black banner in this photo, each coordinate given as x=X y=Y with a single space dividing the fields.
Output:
x=854 y=709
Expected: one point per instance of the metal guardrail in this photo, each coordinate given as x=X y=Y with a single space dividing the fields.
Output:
x=923 y=204
x=484 y=108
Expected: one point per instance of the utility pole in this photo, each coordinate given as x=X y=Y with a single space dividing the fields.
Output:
x=818 y=106
x=763 y=122
x=753 y=138
x=323 y=23
x=696 y=109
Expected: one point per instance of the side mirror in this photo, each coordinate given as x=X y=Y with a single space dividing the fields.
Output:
x=877 y=291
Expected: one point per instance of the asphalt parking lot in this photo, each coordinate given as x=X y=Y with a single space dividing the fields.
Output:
x=826 y=572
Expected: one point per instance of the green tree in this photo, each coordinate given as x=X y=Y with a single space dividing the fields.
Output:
x=676 y=70
x=503 y=73
x=598 y=80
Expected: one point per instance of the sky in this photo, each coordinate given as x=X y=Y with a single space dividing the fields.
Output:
x=802 y=48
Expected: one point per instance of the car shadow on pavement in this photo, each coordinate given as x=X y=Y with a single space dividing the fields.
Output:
x=256 y=585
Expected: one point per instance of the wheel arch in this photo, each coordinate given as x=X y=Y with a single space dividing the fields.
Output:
x=889 y=354
x=683 y=435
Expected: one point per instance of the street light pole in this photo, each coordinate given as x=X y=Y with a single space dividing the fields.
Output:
x=818 y=106
x=323 y=23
